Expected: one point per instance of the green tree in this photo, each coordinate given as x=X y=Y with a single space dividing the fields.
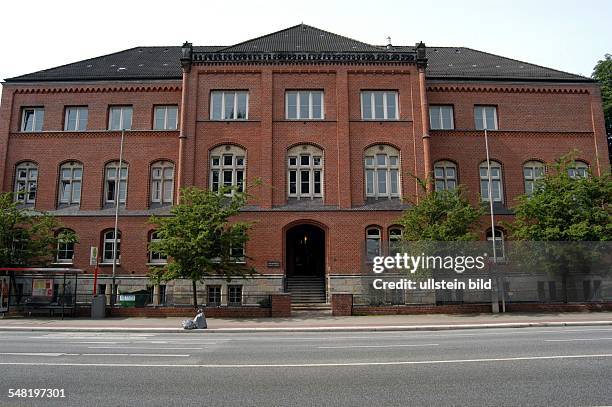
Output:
x=441 y=223
x=603 y=74
x=560 y=210
x=27 y=238
x=199 y=237
x=441 y=216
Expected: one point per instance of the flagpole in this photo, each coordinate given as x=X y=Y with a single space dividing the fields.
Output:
x=117 y=191
x=490 y=190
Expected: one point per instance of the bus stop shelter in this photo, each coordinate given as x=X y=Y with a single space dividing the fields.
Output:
x=39 y=289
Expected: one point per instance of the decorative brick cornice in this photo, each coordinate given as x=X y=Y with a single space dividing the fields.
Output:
x=94 y=134
x=511 y=133
x=99 y=89
x=291 y=58
x=504 y=89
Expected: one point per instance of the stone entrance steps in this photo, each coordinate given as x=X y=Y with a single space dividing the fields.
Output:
x=311 y=309
x=306 y=289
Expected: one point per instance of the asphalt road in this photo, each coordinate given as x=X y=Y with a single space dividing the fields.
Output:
x=526 y=366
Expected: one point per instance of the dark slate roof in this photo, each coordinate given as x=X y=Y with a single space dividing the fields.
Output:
x=468 y=63
x=445 y=63
x=302 y=38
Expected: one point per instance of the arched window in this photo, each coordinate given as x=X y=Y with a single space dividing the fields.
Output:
x=155 y=257
x=26 y=178
x=162 y=182
x=532 y=171
x=382 y=178
x=227 y=167
x=112 y=176
x=395 y=240
x=496 y=181
x=108 y=244
x=373 y=242
x=499 y=243
x=445 y=174
x=71 y=178
x=65 y=249
x=305 y=172
x=579 y=169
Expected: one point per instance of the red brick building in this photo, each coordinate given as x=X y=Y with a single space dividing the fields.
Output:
x=333 y=127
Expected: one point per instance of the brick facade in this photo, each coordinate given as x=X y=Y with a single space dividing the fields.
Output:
x=538 y=120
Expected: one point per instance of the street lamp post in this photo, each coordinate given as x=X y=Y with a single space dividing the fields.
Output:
x=115 y=241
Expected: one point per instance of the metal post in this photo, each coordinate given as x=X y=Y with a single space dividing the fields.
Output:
x=63 y=294
x=117 y=191
x=490 y=190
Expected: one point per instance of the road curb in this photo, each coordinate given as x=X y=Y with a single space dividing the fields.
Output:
x=382 y=328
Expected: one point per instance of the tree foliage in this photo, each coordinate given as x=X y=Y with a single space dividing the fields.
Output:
x=441 y=216
x=603 y=74
x=199 y=235
x=563 y=208
x=27 y=238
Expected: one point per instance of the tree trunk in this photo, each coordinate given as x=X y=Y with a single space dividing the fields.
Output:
x=195 y=294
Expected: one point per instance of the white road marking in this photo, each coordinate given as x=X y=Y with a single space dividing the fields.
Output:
x=58 y=354
x=32 y=353
x=94 y=343
x=140 y=347
x=301 y=365
x=377 y=346
x=577 y=339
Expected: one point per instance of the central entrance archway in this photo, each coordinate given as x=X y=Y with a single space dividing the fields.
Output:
x=305 y=251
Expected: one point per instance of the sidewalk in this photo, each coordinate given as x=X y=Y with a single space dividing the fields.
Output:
x=314 y=323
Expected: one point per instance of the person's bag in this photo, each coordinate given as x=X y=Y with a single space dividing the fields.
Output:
x=188 y=324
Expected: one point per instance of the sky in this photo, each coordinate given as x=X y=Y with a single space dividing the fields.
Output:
x=568 y=35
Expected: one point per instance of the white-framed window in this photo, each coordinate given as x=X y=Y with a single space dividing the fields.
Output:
x=379 y=105
x=162 y=182
x=155 y=257
x=75 y=118
x=496 y=182
x=373 y=242
x=112 y=176
x=26 y=182
x=165 y=117
x=532 y=171
x=485 y=117
x=71 y=178
x=213 y=297
x=395 y=240
x=237 y=253
x=108 y=245
x=234 y=295
x=382 y=172
x=579 y=169
x=227 y=167
x=32 y=119
x=305 y=172
x=304 y=105
x=445 y=175
x=441 y=117
x=65 y=252
x=120 y=118
x=229 y=105
x=499 y=243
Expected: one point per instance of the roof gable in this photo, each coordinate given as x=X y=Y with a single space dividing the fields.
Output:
x=301 y=38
